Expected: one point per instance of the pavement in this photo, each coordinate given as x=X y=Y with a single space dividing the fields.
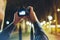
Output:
x=53 y=36
x=15 y=36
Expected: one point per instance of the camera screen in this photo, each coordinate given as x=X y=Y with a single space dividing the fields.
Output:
x=22 y=13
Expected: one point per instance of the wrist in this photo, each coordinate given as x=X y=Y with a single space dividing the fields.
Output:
x=35 y=20
x=14 y=22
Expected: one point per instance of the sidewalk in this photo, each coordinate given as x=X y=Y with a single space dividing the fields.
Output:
x=53 y=36
x=15 y=36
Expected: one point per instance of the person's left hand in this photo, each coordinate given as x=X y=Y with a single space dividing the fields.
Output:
x=16 y=18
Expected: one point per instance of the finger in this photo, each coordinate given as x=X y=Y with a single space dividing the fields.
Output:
x=31 y=8
x=16 y=14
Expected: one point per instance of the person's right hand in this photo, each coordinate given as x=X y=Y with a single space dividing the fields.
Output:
x=33 y=18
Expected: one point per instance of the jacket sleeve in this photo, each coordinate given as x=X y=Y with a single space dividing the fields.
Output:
x=39 y=34
x=4 y=35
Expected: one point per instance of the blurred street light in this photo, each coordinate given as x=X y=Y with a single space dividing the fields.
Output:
x=42 y=23
x=54 y=20
x=50 y=18
x=47 y=22
x=50 y=21
x=7 y=22
x=28 y=23
x=58 y=9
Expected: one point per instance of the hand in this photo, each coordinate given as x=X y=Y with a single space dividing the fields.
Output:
x=16 y=18
x=33 y=16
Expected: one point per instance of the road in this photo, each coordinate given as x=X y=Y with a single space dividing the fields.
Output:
x=15 y=36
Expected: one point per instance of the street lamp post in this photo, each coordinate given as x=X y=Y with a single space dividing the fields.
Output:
x=55 y=13
x=58 y=10
x=50 y=18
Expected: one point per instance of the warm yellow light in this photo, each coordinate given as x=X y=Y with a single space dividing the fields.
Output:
x=58 y=9
x=44 y=22
x=50 y=21
x=54 y=21
x=47 y=22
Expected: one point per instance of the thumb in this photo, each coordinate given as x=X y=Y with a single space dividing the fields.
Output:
x=31 y=8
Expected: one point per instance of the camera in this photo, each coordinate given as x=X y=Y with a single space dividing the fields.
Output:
x=23 y=12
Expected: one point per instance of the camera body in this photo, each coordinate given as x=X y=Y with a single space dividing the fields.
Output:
x=23 y=12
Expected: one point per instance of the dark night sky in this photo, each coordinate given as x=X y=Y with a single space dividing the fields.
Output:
x=40 y=6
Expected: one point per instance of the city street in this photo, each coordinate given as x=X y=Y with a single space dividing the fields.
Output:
x=15 y=36
x=53 y=36
x=47 y=12
x=27 y=36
